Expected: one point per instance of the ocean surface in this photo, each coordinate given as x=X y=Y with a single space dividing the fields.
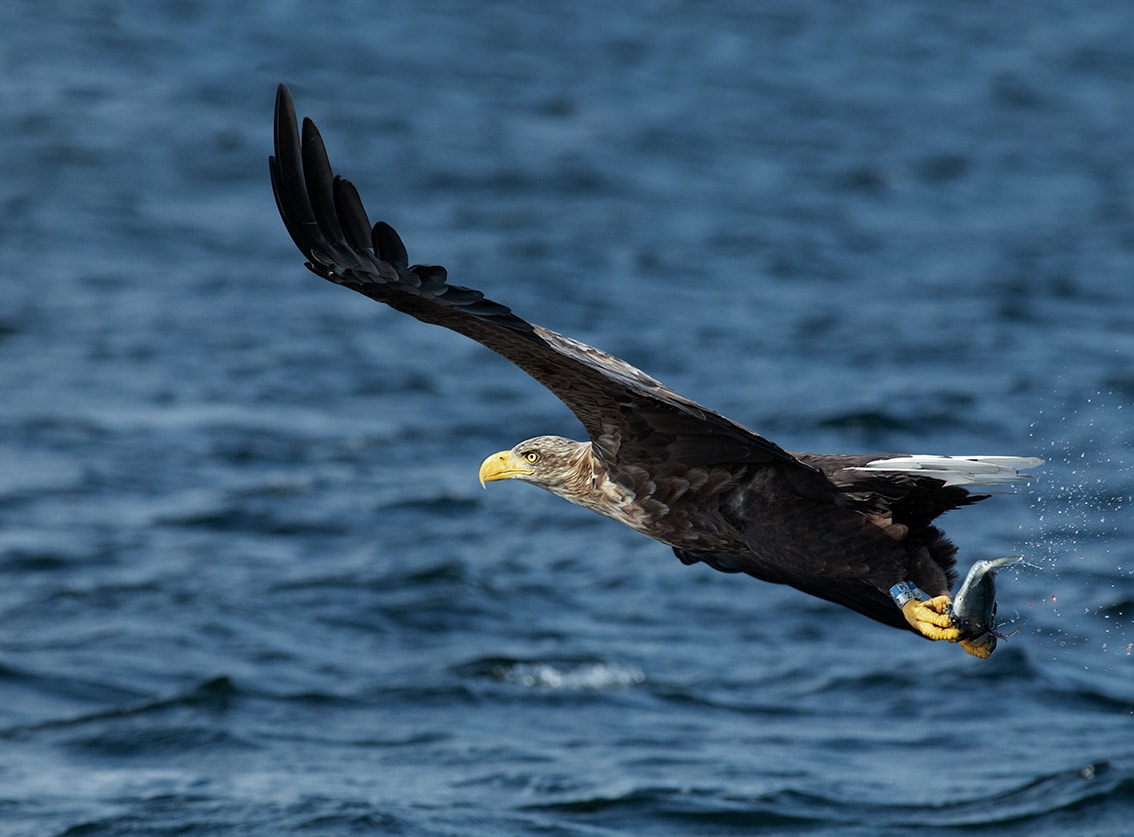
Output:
x=249 y=584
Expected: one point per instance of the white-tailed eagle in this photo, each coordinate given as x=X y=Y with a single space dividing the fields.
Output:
x=854 y=530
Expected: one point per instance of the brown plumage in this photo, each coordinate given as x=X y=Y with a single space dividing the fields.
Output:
x=843 y=528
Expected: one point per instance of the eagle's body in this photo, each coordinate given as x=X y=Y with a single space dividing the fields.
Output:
x=856 y=530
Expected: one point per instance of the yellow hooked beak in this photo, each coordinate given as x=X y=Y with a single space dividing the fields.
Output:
x=502 y=466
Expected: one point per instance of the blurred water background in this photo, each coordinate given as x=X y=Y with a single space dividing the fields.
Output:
x=248 y=581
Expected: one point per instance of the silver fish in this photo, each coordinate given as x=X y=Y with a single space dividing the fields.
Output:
x=974 y=608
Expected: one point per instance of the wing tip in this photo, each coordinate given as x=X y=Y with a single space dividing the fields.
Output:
x=320 y=209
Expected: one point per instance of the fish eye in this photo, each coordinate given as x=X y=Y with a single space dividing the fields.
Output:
x=532 y=456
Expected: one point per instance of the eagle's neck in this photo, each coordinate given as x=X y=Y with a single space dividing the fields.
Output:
x=589 y=484
x=682 y=510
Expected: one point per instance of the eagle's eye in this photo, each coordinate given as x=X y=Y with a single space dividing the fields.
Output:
x=532 y=456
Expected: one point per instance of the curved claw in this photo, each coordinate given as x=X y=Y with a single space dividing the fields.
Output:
x=978 y=648
x=931 y=619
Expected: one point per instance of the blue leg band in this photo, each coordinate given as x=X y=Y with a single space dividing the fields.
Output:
x=904 y=591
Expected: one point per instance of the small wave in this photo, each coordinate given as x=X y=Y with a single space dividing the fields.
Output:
x=1098 y=793
x=695 y=810
x=584 y=678
x=864 y=420
x=213 y=695
x=1073 y=793
x=152 y=741
x=222 y=518
x=441 y=503
x=589 y=676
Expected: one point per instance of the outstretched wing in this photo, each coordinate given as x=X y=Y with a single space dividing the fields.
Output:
x=631 y=417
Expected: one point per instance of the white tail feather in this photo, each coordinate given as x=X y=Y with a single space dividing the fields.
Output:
x=959 y=470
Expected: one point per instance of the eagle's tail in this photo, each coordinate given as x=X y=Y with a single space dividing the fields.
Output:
x=959 y=470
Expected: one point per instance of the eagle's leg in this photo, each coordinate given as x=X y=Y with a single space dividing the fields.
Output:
x=930 y=617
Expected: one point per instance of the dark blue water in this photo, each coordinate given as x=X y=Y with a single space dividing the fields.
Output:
x=249 y=582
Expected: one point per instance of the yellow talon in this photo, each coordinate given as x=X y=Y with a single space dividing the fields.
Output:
x=931 y=619
x=983 y=651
